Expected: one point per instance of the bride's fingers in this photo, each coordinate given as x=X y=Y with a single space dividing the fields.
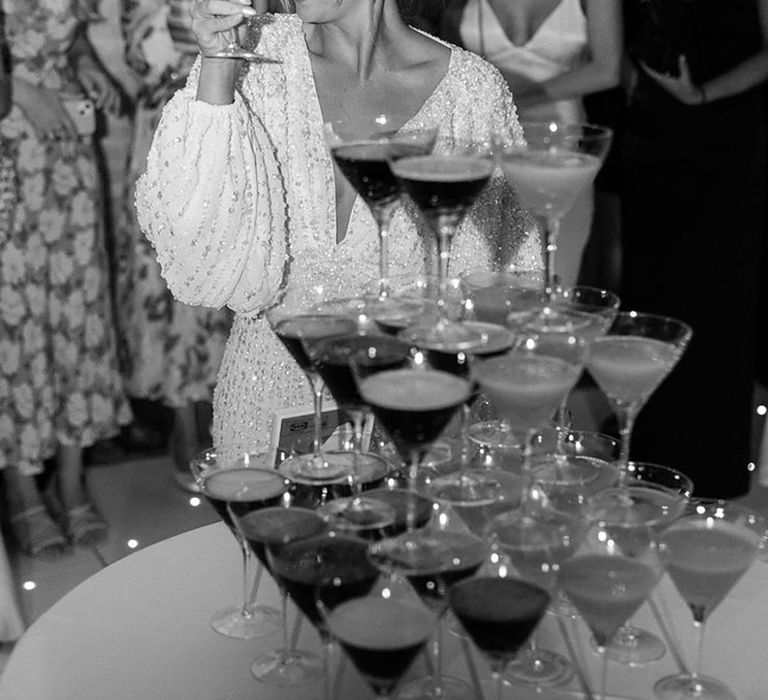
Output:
x=209 y=9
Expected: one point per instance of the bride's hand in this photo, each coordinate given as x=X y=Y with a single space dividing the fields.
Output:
x=681 y=87
x=212 y=17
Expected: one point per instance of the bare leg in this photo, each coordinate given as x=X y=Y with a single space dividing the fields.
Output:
x=184 y=442
x=85 y=524
x=34 y=530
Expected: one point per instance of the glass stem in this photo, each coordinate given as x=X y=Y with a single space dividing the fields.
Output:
x=413 y=473
x=444 y=238
x=317 y=391
x=466 y=416
x=551 y=228
x=247 y=611
x=284 y=607
x=603 y=672
x=383 y=216
x=626 y=417
x=695 y=687
x=525 y=496
x=358 y=418
x=499 y=685
x=437 y=678
x=562 y=429
x=327 y=666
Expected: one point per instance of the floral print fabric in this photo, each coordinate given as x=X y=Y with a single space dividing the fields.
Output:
x=59 y=380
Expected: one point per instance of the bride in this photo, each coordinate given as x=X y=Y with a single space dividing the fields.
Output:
x=241 y=200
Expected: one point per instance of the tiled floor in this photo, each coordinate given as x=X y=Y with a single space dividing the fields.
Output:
x=142 y=505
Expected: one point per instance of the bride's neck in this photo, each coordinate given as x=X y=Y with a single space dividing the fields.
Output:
x=364 y=42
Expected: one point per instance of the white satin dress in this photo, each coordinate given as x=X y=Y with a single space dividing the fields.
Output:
x=239 y=202
x=556 y=47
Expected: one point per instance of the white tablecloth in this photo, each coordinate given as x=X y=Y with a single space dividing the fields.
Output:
x=140 y=629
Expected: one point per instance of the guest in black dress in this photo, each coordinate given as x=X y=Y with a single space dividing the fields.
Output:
x=694 y=197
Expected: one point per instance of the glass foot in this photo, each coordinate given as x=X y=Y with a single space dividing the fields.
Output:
x=539 y=669
x=318 y=469
x=684 y=687
x=261 y=622
x=361 y=515
x=497 y=435
x=634 y=646
x=450 y=688
x=448 y=336
x=294 y=667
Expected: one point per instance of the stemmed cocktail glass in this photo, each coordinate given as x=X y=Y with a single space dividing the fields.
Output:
x=320 y=573
x=499 y=610
x=432 y=560
x=382 y=633
x=610 y=576
x=535 y=541
x=362 y=149
x=332 y=358
x=247 y=486
x=295 y=329
x=277 y=527
x=444 y=185
x=655 y=495
x=710 y=548
x=558 y=163
x=526 y=387
x=631 y=360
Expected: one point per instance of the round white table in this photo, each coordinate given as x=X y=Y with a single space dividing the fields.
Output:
x=140 y=629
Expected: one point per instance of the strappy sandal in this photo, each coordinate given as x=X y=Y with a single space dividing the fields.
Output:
x=37 y=535
x=85 y=525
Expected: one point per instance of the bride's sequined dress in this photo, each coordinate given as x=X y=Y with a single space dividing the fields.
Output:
x=239 y=202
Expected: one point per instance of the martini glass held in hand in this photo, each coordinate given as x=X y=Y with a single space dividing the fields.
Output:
x=444 y=185
x=242 y=488
x=631 y=360
x=362 y=150
x=710 y=548
x=232 y=48
x=559 y=162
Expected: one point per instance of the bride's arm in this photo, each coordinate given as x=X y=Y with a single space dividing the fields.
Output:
x=212 y=203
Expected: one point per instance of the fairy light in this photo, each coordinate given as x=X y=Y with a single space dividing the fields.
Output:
x=29 y=585
x=195 y=501
x=132 y=544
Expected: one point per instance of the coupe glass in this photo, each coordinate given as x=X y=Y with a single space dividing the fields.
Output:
x=631 y=360
x=247 y=486
x=382 y=633
x=274 y=527
x=499 y=611
x=610 y=576
x=362 y=149
x=655 y=495
x=710 y=548
x=444 y=185
x=558 y=163
x=295 y=329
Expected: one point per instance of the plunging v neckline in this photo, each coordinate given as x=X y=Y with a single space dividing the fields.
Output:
x=536 y=31
x=327 y=159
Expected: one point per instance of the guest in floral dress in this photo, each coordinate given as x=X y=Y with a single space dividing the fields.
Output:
x=170 y=351
x=60 y=389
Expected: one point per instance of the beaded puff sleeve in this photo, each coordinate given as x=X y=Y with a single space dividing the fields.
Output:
x=212 y=205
